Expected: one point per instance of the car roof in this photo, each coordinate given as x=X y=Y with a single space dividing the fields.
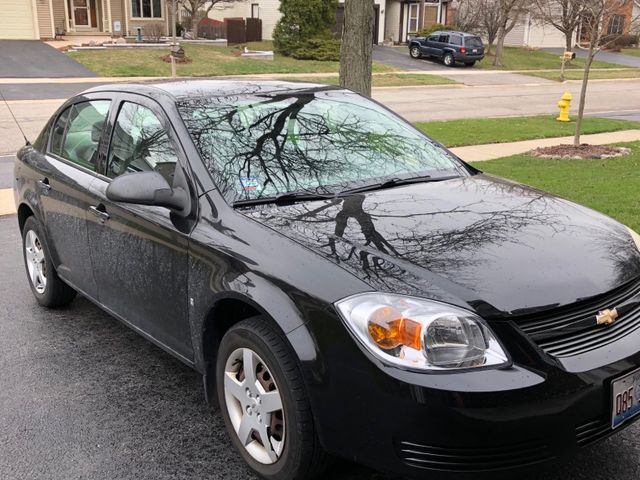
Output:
x=464 y=34
x=183 y=89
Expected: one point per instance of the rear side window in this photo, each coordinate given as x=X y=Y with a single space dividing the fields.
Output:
x=473 y=42
x=76 y=134
x=444 y=39
x=140 y=143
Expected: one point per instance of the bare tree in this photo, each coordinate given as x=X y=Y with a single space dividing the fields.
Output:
x=468 y=15
x=595 y=22
x=356 y=50
x=564 y=15
x=509 y=13
x=488 y=21
x=199 y=9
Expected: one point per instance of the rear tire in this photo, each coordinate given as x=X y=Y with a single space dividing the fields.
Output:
x=449 y=60
x=292 y=450
x=49 y=290
x=415 y=52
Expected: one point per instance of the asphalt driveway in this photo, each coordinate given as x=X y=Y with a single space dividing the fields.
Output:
x=35 y=59
x=611 y=57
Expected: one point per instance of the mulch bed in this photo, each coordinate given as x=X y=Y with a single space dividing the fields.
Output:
x=581 y=152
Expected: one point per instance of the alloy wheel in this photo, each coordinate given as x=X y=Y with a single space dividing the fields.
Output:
x=254 y=405
x=415 y=52
x=36 y=265
x=448 y=60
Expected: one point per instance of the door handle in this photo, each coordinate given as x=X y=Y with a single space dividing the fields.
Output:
x=99 y=212
x=44 y=184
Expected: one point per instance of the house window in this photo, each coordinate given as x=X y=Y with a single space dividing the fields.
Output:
x=413 y=18
x=146 y=9
x=255 y=10
x=616 y=25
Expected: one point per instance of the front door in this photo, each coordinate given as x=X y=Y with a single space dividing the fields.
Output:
x=140 y=255
x=81 y=14
x=70 y=168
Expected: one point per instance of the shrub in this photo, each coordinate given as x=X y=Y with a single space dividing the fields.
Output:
x=434 y=28
x=305 y=23
x=325 y=48
x=154 y=31
x=616 y=42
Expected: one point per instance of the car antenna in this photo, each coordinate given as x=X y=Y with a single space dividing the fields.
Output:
x=14 y=118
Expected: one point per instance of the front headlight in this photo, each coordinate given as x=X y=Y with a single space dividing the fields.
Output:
x=635 y=236
x=421 y=334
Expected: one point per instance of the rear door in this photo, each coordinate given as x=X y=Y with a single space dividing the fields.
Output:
x=441 y=44
x=69 y=169
x=140 y=253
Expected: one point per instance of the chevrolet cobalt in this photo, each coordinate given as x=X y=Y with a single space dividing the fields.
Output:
x=344 y=284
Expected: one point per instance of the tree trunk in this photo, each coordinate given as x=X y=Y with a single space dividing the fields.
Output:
x=499 y=47
x=489 y=47
x=174 y=9
x=356 y=49
x=583 y=94
x=569 y=41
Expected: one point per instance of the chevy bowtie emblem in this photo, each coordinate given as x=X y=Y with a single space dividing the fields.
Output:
x=607 y=317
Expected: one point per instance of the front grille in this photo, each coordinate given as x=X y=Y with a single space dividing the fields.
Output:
x=572 y=330
x=592 y=432
x=472 y=459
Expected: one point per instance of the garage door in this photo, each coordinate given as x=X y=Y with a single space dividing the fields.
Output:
x=16 y=20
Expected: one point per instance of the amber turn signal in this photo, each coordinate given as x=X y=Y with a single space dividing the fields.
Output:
x=388 y=329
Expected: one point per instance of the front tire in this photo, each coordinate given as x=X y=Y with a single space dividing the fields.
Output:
x=449 y=60
x=49 y=290
x=264 y=404
x=415 y=52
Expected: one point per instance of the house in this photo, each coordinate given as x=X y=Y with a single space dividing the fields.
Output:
x=394 y=20
x=41 y=19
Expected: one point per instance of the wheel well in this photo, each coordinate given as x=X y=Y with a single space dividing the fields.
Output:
x=24 y=212
x=222 y=316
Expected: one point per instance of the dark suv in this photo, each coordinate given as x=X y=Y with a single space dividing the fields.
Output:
x=450 y=47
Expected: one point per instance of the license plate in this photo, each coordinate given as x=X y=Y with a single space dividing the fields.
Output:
x=626 y=398
x=475 y=50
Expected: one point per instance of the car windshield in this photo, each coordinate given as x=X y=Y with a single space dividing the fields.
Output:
x=320 y=140
x=473 y=42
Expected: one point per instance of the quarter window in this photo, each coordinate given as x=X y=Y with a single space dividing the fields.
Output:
x=456 y=40
x=146 y=8
x=140 y=143
x=76 y=135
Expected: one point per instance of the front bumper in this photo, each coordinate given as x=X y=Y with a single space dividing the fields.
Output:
x=461 y=424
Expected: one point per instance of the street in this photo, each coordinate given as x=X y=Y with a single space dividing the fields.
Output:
x=414 y=103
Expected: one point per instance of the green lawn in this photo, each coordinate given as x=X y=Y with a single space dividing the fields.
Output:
x=517 y=58
x=594 y=75
x=632 y=51
x=383 y=80
x=456 y=133
x=610 y=186
x=207 y=61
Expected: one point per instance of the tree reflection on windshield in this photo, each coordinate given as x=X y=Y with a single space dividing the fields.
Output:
x=261 y=145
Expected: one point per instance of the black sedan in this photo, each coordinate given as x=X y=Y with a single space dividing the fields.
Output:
x=345 y=285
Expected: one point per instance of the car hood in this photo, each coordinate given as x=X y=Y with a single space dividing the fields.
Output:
x=495 y=246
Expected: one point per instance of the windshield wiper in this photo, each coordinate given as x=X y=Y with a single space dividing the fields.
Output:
x=395 y=182
x=284 y=198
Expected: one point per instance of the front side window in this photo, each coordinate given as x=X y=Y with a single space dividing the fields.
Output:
x=321 y=140
x=146 y=8
x=140 y=143
x=76 y=134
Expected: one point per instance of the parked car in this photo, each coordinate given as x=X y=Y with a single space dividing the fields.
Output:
x=344 y=284
x=449 y=47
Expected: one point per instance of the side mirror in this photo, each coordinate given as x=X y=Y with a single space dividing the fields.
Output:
x=148 y=188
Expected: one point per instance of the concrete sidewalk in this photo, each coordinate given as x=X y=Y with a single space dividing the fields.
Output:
x=474 y=153
x=480 y=153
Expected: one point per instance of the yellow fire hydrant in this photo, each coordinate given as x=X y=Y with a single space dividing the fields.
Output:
x=564 y=105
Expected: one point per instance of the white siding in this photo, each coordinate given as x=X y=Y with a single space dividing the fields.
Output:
x=44 y=18
x=516 y=37
x=392 y=20
x=17 y=19
x=544 y=36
